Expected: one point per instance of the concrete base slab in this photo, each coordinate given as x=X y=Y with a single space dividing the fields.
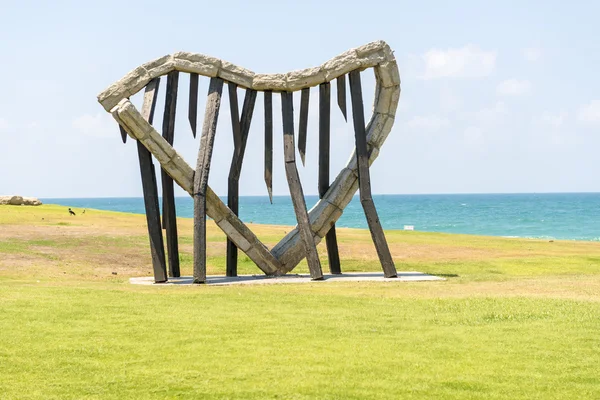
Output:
x=218 y=280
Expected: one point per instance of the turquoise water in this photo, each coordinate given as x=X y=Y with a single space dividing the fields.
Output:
x=549 y=215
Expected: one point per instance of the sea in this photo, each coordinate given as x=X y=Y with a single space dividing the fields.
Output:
x=571 y=216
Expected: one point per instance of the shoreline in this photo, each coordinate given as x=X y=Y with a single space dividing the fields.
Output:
x=358 y=229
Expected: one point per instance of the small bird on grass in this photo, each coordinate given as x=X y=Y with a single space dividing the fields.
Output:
x=71 y=212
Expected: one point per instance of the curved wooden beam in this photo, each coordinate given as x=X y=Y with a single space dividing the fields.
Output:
x=369 y=55
x=290 y=251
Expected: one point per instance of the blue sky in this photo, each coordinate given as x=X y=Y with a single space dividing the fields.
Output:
x=496 y=96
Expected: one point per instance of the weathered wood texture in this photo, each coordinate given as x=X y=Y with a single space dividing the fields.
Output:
x=169 y=212
x=303 y=124
x=374 y=54
x=290 y=251
x=291 y=171
x=323 y=183
x=232 y=185
x=209 y=128
x=241 y=128
x=183 y=174
x=150 y=190
x=235 y=116
x=341 y=95
x=269 y=143
x=364 y=180
x=324 y=134
x=193 y=103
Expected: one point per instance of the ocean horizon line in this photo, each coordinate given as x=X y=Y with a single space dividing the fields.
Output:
x=316 y=195
x=556 y=215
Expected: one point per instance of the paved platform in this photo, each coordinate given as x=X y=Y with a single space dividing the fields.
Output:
x=218 y=280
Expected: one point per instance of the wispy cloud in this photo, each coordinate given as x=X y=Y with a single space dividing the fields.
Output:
x=532 y=54
x=589 y=113
x=513 y=87
x=3 y=125
x=428 y=122
x=473 y=138
x=465 y=62
x=98 y=125
x=551 y=119
x=490 y=115
x=449 y=101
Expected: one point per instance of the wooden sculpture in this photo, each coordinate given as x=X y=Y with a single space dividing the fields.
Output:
x=334 y=196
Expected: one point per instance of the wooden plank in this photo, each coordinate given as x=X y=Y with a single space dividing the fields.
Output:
x=324 y=135
x=323 y=182
x=123 y=134
x=333 y=253
x=243 y=127
x=235 y=116
x=287 y=109
x=150 y=190
x=232 y=185
x=169 y=211
x=150 y=98
x=207 y=140
x=246 y=119
x=193 y=103
x=170 y=106
x=291 y=171
x=303 y=125
x=364 y=180
x=341 y=95
x=269 y=143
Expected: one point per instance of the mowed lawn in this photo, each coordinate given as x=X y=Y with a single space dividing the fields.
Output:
x=514 y=318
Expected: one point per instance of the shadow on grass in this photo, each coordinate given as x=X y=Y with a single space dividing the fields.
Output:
x=443 y=275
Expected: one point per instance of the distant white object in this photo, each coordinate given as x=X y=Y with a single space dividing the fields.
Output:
x=19 y=201
x=409 y=227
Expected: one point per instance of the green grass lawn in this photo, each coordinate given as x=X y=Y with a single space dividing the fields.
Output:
x=514 y=319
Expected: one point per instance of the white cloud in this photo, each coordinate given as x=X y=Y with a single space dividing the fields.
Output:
x=429 y=122
x=554 y=120
x=532 y=54
x=3 y=125
x=490 y=115
x=513 y=87
x=464 y=62
x=472 y=134
x=590 y=113
x=99 y=125
x=449 y=101
x=473 y=138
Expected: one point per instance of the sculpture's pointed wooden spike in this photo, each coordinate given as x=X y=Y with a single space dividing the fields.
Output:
x=323 y=183
x=243 y=127
x=235 y=116
x=291 y=172
x=149 y=188
x=193 y=104
x=150 y=99
x=207 y=140
x=364 y=181
x=169 y=211
x=269 y=143
x=341 y=95
x=324 y=134
x=123 y=134
x=170 y=106
x=303 y=125
x=247 y=113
